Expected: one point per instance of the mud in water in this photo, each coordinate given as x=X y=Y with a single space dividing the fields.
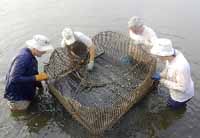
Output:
x=108 y=81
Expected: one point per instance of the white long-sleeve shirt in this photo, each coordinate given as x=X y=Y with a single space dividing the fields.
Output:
x=82 y=38
x=147 y=36
x=178 y=78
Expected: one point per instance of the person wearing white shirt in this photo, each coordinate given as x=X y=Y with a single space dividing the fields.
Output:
x=140 y=33
x=176 y=76
x=70 y=37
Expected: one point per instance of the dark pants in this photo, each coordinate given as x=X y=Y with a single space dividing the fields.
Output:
x=174 y=104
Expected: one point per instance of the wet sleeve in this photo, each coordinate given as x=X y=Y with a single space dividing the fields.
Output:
x=179 y=82
x=18 y=70
x=63 y=43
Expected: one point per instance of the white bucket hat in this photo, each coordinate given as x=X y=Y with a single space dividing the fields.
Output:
x=135 y=22
x=40 y=42
x=68 y=36
x=163 y=47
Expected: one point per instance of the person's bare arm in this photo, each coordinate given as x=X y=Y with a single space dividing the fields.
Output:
x=92 y=52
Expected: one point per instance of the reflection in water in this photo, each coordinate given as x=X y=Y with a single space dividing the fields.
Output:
x=145 y=119
x=148 y=119
x=47 y=117
x=35 y=118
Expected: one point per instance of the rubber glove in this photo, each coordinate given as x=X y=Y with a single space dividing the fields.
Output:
x=90 y=65
x=126 y=60
x=156 y=76
x=41 y=76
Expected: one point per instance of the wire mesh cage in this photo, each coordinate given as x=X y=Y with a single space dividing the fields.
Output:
x=120 y=78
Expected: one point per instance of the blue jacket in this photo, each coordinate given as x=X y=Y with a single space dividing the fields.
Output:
x=20 y=79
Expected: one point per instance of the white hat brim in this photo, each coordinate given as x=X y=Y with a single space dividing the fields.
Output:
x=156 y=51
x=33 y=44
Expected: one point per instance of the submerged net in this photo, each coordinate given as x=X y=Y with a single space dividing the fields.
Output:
x=97 y=99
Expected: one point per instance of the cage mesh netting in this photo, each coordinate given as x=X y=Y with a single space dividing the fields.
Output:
x=97 y=99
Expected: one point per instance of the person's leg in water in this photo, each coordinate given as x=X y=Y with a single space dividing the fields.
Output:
x=175 y=104
x=16 y=106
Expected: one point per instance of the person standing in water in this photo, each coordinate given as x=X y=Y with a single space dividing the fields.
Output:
x=23 y=77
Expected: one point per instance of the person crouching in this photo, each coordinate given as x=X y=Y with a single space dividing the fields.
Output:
x=77 y=41
x=176 y=76
x=23 y=77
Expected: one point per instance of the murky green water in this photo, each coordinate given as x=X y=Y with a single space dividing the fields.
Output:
x=174 y=19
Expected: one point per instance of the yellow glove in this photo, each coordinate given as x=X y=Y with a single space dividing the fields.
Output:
x=41 y=76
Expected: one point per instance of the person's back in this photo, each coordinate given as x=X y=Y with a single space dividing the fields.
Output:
x=176 y=76
x=141 y=33
x=17 y=86
x=79 y=36
x=23 y=77
x=180 y=66
x=70 y=37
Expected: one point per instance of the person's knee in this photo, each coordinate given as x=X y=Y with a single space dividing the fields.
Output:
x=175 y=105
x=18 y=105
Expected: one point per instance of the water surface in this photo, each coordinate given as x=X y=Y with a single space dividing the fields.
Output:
x=174 y=19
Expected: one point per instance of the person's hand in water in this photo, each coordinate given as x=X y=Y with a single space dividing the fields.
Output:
x=126 y=60
x=156 y=76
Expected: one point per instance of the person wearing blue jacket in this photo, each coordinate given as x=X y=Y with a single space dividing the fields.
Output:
x=23 y=77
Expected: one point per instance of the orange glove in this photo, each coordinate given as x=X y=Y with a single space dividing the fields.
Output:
x=41 y=76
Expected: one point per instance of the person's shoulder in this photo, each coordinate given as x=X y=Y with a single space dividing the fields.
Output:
x=80 y=34
x=148 y=29
x=24 y=54
x=83 y=38
x=180 y=56
x=182 y=62
x=24 y=51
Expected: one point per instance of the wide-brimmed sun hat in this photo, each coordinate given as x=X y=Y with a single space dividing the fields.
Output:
x=40 y=42
x=68 y=36
x=135 y=22
x=163 y=47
